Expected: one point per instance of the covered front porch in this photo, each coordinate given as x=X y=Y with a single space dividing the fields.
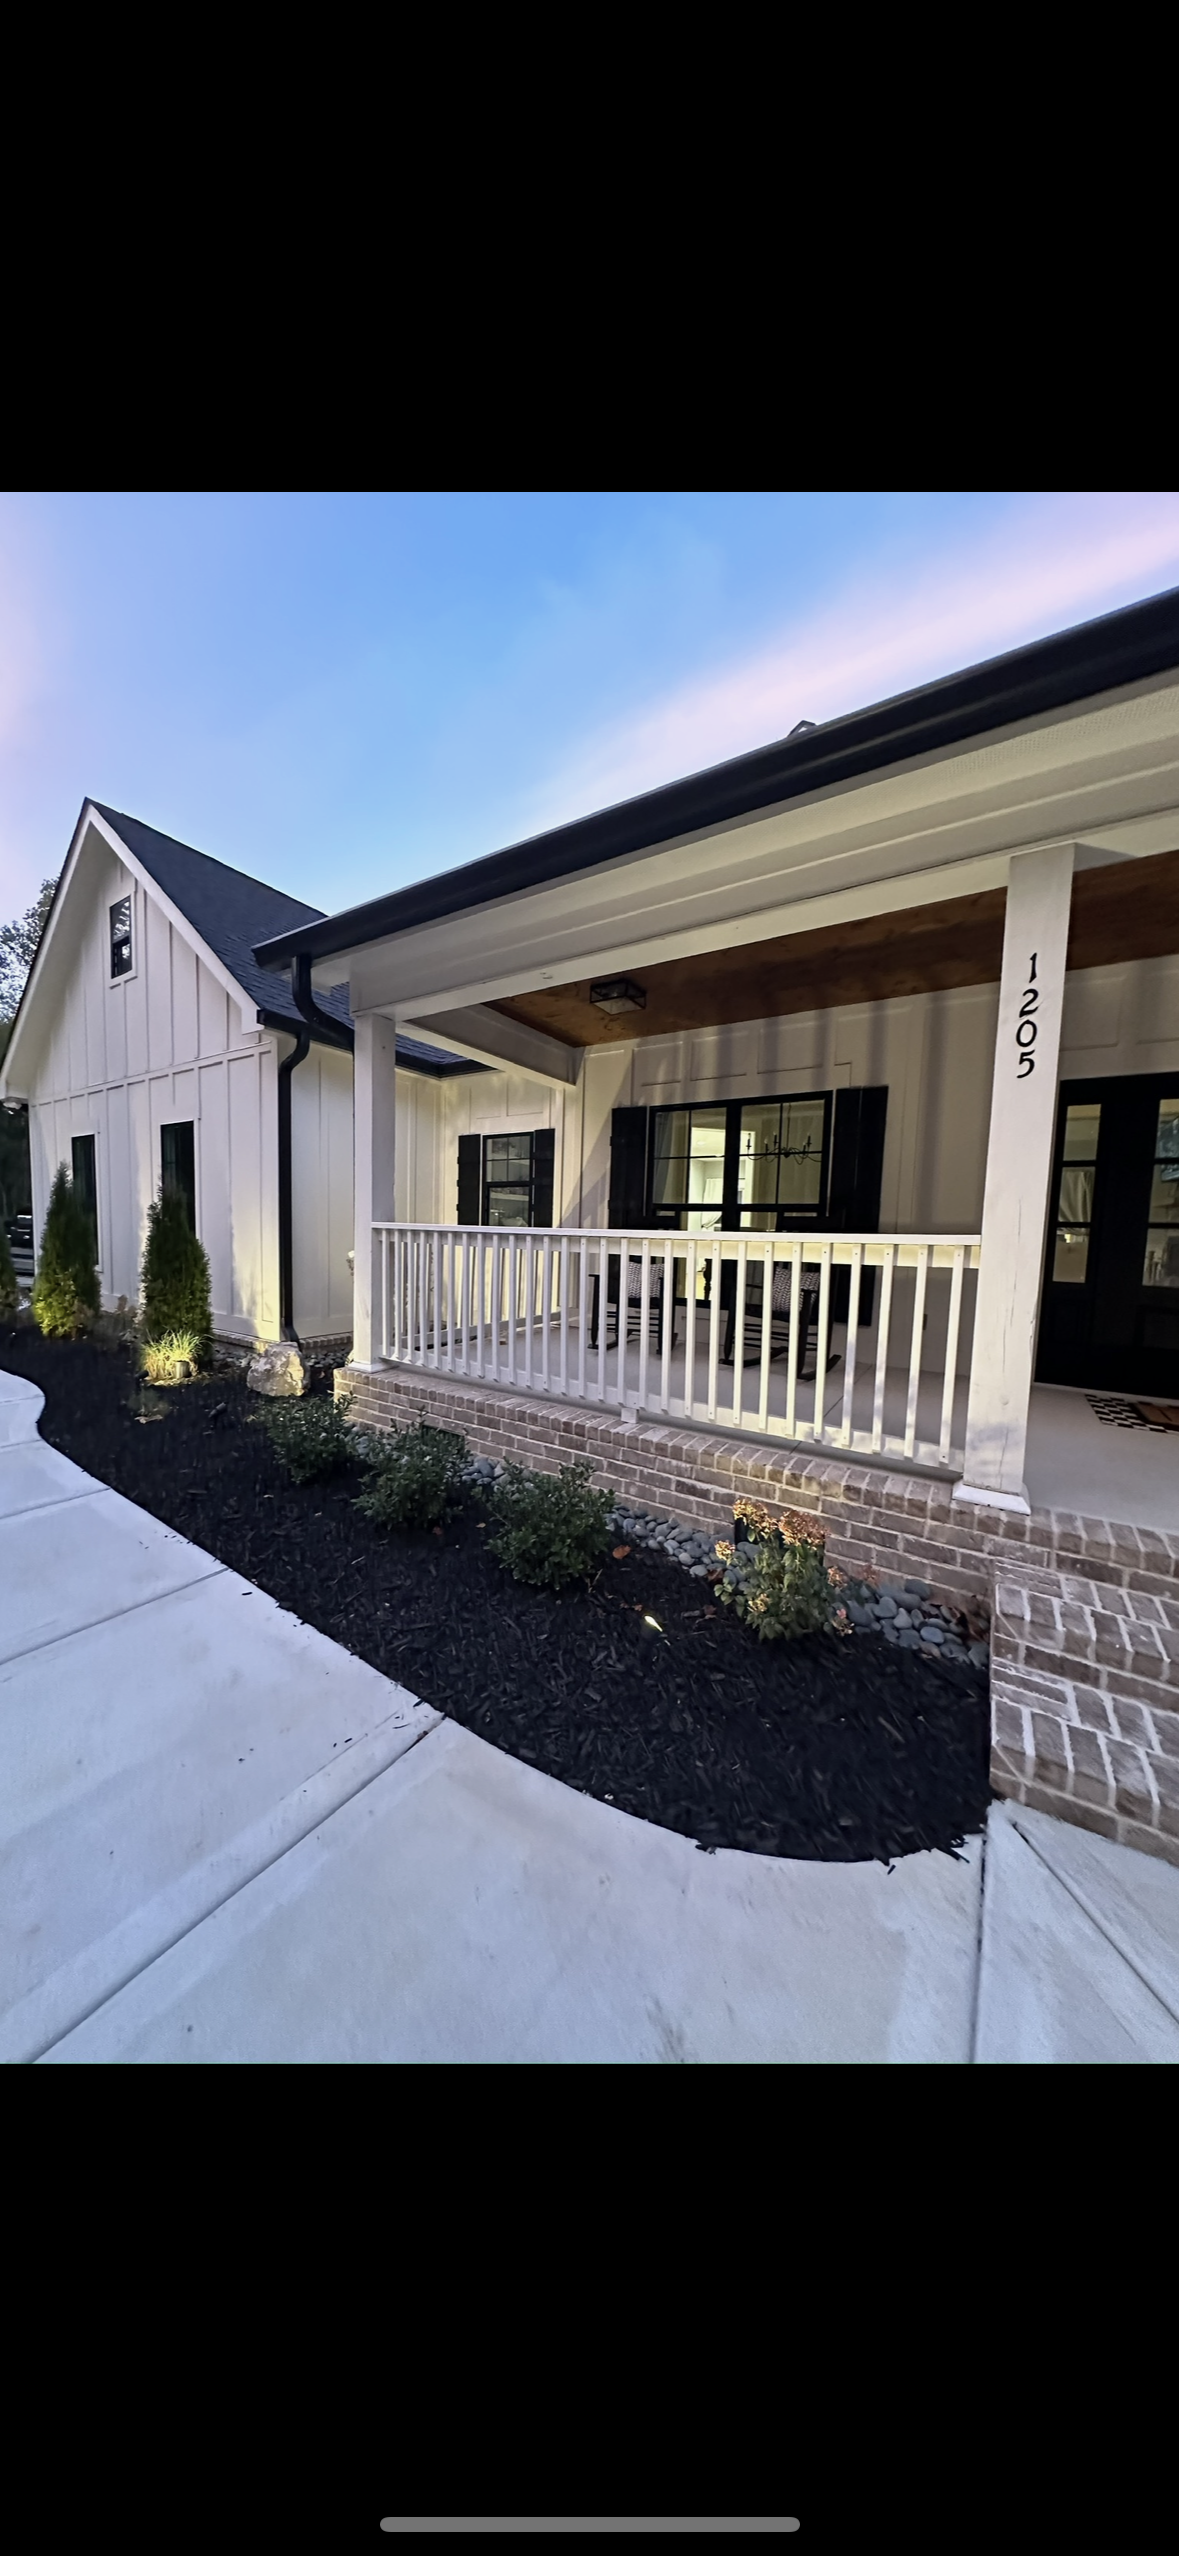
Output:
x=709 y=1220
x=522 y=1312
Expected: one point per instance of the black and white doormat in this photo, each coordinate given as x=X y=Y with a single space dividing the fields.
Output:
x=1161 y=1418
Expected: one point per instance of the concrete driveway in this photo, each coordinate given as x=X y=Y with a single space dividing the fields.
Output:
x=225 y=1840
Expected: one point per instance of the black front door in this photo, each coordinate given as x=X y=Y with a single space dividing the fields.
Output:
x=1110 y=1316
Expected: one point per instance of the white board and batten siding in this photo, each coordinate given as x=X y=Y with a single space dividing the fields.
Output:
x=322 y=1191
x=123 y=1059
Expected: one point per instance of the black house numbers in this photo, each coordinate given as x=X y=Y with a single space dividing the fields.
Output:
x=1025 y=1036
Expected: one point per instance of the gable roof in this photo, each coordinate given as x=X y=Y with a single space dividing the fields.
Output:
x=1124 y=647
x=232 y=911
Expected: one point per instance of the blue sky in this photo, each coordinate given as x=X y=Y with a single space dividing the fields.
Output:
x=343 y=693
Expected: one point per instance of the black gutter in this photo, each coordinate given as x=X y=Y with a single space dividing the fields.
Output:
x=336 y=1033
x=1121 y=648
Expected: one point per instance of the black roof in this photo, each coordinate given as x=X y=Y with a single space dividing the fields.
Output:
x=1120 y=648
x=232 y=912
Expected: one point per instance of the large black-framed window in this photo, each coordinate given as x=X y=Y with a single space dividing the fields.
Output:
x=740 y=1166
x=178 y=1164
x=84 y=1174
x=507 y=1180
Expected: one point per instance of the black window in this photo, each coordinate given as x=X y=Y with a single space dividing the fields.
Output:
x=121 y=937
x=178 y=1164
x=85 y=1182
x=741 y=1166
x=506 y=1180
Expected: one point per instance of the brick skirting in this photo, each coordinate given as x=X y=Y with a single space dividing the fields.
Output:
x=1085 y=1612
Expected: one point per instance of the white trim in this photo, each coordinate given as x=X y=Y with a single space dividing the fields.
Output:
x=129 y=973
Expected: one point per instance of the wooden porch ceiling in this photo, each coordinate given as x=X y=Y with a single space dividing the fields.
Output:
x=1124 y=911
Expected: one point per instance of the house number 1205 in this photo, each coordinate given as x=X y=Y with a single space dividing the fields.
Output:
x=1025 y=1036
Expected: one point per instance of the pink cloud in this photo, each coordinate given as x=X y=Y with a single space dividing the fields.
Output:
x=1052 y=561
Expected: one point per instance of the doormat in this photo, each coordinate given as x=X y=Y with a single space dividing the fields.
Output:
x=1159 y=1417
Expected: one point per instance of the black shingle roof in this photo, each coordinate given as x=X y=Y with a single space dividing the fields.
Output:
x=233 y=912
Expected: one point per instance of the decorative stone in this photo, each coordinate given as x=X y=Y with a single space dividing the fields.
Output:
x=278 y=1371
x=933 y=1633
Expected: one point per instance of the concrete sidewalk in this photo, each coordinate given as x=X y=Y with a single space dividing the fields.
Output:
x=225 y=1840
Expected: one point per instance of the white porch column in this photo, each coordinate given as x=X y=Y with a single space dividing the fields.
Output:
x=1019 y=1164
x=375 y=1140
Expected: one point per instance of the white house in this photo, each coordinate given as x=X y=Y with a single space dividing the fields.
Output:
x=150 y=1045
x=829 y=1148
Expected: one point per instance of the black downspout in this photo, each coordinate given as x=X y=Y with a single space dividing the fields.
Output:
x=339 y=1035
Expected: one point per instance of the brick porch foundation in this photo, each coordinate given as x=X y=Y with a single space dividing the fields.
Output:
x=1085 y=1612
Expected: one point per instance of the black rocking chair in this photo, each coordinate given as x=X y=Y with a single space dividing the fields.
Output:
x=634 y=1303
x=780 y=1319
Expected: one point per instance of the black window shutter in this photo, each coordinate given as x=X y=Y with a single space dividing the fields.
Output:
x=853 y=1197
x=470 y=1180
x=544 y=1164
x=628 y=1168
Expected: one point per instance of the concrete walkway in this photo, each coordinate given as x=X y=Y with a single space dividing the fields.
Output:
x=226 y=1840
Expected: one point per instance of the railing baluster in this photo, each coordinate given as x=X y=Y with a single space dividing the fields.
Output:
x=952 y=1330
x=495 y=1305
x=855 y=1273
x=528 y=1290
x=824 y=1333
x=644 y=1319
x=883 y=1323
x=546 y=1293
x=604 y=1313
x=384 y=1291
x=767 y=1323
x=714 y=1329
x=583 y=1312
x=436 y=1281
x=739 y=1338
x=691 y=1282
x=666 y=1327
x=915 y=1350
x=563 y=1311
x=792 y=1345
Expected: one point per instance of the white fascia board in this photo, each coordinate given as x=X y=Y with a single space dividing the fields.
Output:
x=942 y=828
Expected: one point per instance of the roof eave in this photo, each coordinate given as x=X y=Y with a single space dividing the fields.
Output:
x=1095 y=658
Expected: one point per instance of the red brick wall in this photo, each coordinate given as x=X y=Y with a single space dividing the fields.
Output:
x=1085 y=1636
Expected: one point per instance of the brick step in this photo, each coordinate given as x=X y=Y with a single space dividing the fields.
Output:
x=1085 y=1704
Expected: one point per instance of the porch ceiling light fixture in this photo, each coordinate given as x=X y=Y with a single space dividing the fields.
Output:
x=618 y=994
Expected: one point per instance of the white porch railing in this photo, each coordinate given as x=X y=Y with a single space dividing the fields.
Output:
x=752 y=1343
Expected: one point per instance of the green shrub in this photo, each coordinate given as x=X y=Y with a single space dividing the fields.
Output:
x=174 y=1284
x=415 y=1479
x=9 y=1292
x=311 y=1437
x=65 y=1290
x=778 y=1578
x=550 y=1527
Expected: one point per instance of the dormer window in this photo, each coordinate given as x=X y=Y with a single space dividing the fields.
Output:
x=121 y=958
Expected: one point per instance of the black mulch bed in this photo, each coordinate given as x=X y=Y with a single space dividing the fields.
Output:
x=846 y=1750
